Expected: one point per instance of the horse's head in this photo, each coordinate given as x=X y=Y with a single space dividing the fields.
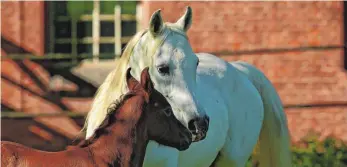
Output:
x=160 y=123
x=172 y=67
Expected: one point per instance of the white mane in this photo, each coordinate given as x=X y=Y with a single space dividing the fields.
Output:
x=111 y=89
x=114 y=85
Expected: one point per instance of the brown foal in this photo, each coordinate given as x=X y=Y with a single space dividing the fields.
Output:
x=142 y=114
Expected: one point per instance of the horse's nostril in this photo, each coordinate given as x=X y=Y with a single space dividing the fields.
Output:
x=207 y=122
x=207 y=118
x=198 y=125
x=191 y=126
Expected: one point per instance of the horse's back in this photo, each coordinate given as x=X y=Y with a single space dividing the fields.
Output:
x=9 y=155
x=15 y=154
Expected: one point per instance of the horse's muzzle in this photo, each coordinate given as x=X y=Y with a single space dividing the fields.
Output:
x=198 y=128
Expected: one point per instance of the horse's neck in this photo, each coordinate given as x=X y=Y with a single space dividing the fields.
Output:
x=126 y=142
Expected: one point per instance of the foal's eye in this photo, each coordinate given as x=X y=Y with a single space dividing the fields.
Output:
x=156 y=104
x=164 y=69
x=167 y=112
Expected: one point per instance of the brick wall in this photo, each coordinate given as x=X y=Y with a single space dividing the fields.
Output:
x=22 y=27
x=311 y=77
x=22 y=23
x=219 y=26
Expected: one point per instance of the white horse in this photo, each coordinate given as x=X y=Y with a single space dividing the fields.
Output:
x=242 y=105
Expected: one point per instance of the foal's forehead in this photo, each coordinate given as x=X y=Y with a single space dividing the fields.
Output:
x=138 y=89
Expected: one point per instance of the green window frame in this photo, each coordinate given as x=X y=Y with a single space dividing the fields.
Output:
x=69 y=26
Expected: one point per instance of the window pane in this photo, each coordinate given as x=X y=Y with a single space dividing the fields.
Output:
x=60 y=8
x=84 y=48
x=128 y=28
x=106 y=28
x=63 y=48
x=63 y=29
x=106 y=48
x=84 y=29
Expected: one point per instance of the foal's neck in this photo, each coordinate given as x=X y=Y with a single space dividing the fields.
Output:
x=126 y=141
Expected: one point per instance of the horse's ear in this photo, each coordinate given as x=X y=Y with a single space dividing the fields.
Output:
x=186 y=20
x=146 y=81
x=156 y=23
x=131 y=81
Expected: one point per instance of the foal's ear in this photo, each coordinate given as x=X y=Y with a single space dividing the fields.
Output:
x=186 y=20
x=146 y=81
x=131 y=81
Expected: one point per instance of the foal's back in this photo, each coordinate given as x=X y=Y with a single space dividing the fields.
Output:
x=17 y=155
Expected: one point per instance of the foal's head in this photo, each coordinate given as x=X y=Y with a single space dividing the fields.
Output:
x=160 y=123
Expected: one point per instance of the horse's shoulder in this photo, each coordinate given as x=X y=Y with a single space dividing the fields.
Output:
x=210 y=58
x=211 y=65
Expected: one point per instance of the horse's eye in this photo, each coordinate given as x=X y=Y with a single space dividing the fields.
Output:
x=164 y=69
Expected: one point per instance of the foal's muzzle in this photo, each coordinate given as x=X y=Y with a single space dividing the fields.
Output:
x=198 y=128
x=186 y=140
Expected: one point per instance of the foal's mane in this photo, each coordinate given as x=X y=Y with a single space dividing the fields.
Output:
x=109 y=120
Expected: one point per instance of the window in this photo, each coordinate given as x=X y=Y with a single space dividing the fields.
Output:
x=70 y=27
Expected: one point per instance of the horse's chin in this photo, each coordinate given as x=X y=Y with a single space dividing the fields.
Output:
x=198 y=137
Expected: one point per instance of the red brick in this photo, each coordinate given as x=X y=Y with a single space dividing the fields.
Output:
x=10 y=18
x=220 y=26
x=23 y=24
x=22 y=100
x=11 y=70
x=39 y=71
x=320 y=120
x=303 y=78
x=33 y=26
x=81 y=105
